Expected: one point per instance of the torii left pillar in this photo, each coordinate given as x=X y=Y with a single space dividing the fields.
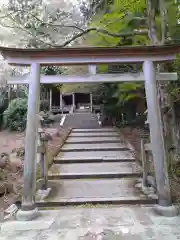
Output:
x=28 y=208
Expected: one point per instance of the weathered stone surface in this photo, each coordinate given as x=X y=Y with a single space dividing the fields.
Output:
x=43 y=221
x=84 y=188
x=81 y=120
x=94 y=130
x=138 y=185
x=120 y=167
x=92 y=139
x=152 y=196
x=98 y=155
x=95 y=134
x=89 y=146
x=101 y=223
x=42 y=194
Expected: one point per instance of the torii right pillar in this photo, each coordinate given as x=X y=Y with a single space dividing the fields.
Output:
x=164 y=206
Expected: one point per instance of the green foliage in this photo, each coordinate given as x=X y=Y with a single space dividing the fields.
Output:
x=15 y=115
x=127 y=91
x=138 y=121
x=172 y=17
x=174 y=86
x=20 y=92
x=3 y=103
x=126 y=17
x=121 y=17
x=51 y=70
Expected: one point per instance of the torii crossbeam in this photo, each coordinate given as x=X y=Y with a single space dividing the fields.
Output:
x=89 y=78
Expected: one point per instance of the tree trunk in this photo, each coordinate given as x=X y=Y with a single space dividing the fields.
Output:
x=151 y=22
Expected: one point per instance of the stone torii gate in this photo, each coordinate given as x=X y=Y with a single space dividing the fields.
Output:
x=35 y=58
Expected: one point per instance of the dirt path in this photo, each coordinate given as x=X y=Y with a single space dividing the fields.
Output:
x=10 y=140
x=12 y=172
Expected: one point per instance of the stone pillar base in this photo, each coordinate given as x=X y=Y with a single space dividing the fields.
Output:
x=169 y=211
x=27 y=215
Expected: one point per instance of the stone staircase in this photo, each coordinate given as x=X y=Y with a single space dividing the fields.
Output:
x=94 y=167
x=82 y=119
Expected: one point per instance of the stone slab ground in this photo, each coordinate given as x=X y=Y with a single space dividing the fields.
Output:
x=100 y=223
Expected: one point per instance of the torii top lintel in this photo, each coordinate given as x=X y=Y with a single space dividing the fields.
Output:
x=89 y=55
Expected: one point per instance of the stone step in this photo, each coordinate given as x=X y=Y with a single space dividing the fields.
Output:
x=92 y=169
x=93 y=140
x=70 y=147
x=104 y=175
x=101 y=156
x=94 y=134
x=90 y=160
x=95 y=201
x=80 y=130
x=103 y=191
x=89 y=141
x=82 y=121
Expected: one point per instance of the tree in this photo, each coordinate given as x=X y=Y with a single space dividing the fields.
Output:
x=44 y=25
x=155 y=19
x=40 y=23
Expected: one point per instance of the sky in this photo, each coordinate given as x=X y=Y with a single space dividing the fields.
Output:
x=3 y=2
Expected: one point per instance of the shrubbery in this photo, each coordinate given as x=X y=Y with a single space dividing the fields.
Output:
x=14 y=117
x=47 y=117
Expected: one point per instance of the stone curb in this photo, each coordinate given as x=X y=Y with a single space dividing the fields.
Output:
x=39 y=181
x=56 y=152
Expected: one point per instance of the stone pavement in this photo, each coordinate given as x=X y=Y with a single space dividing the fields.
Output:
x=98 y=223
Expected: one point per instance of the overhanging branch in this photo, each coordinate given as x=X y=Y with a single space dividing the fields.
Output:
x=29 y=33
x=78 y=35
x=105 y=32
x=9 y=15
